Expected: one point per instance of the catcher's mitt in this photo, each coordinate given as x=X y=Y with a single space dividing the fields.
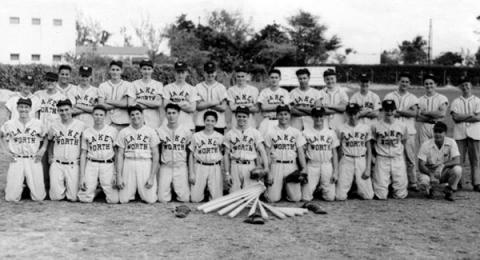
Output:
x=257 y=173
x=182 y=211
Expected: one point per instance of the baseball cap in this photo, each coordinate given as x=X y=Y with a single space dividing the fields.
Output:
x=146 y=62
x=283 y=108
x=50 y=77
x=209 y=67
x=329 y=72
x=318 y=112
x=429 y=76
x=388 y=105
x=352 y=108
x=134 y=108
x=241 y=68
x=24 y=101
x=180 y=66
x=364 y=78
x=118 y=63
x=28 y=80
x=439 y=127
x=242 y=110
x=85 y=71
x=65 y=102
x=100 y=107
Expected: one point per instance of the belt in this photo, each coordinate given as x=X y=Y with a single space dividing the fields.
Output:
x=355 y=156
x=209 y=164
x=24 y=156
x=101 y=161
x=66 y=163
x=243 y=161
x=279 y=161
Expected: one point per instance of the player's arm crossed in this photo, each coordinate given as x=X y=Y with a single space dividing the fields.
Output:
x=150 y=104
x=410 y=112
x=296 y=110
x=428 y=116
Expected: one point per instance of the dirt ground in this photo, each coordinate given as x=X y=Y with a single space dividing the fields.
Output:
x=414 y=228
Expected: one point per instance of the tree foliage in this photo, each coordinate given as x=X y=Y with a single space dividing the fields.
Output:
x=449 y=59
x=414 y=52
x=150 y=37
x=90 y=32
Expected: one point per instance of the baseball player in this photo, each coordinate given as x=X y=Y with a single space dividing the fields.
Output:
x=322 y=160
x=303 y=99
x=182 y=94
x=389 y=137
x=64 y=79
x=84 y=97
x=21 y=139
x=205 y=160
x=25 y=91
x=407 y=106
x=149 y=95
x=439 y=162
x=284 y=145
x=64 y=153
x=432 y=108
x=116 y=95
x=269 y=99
x=334 y=99
x=137 y=159
x=174 y=139
x=49 y=98
x=465 y=112
x=243 y=94
x=356 y=156
x=368 y=101
x=213 y=97
x=96 y=159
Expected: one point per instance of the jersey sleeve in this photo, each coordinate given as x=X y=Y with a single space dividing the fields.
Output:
x=202 y=96
x=84 y=144
x=102 y=91
x=120 y=140
x=476 y=106
x=454 y=150
x=268 y=140
x=222 y=93
x=455 y=107
x=354 y=99
x=443 y=101
x=10 y=104
x=343 y=97
x=261 y=98
x=377 y=104
x=258 y=138
x=154 y=140
x=191 y=144
x=230 y=98
x=226 y=140
x=159 y=88
x=423 y=153
x=130 y=90
x=335 y=141
x=166 y=92
x=300 y=139
x=193 y=97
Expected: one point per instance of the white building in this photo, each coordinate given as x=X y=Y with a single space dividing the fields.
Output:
x=36 y=31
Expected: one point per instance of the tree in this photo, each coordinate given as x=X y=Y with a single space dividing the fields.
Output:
x=90 y=32
x=230 y=24
x=390 y=57
x=449 y=59
x=150 y=37
x=308 y=36
x=413 y=52
x=127 y=38
x=477 y=57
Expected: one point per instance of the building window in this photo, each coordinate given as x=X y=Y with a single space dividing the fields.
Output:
x=57 y=22
x=35 y=57
x=36 y=21
x=57 y=58
x=14 y=56
x=14 y=20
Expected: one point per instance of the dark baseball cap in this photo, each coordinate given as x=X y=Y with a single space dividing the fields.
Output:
x=100 y=107
x=318 y=112
x=329 y=72
x=364 y=78
x=146 y=62
x=50 y=77
x=242 y=110
x=180 y=66
x=282 y=108
x=209 y=67
x=118 y=63
x=388 y=105
x=134 y=108
x=24 y=101
x=440 y=127
x=85 y=71
x=28 y=80
x=65 y=102
x=352 y=108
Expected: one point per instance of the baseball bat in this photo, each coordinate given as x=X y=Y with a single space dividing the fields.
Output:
x=229 y=196
x=253 y=208
x=236 y=204
x=223 y=203
x=263 y=212
x=275 y=212
x=294 y=211
x=241 y=207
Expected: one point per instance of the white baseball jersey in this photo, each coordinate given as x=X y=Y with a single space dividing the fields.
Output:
x=23 y=139
x=470 y=105
x=283 y=143
x=431 y=154
x=243 y=144
x=433 y=103
x=216 y=92
x=48 y=106
x=149 y=92
x=137 y=143
x=85 y=96
x=320 y=144
x=109 y=91
x=354 y=139
x=207 y=148
x=404 y=102
x=66 y=140
x=334 y=97
x=5 y=94
x=180 y=94
x=99 y=144
x=67 y=90
x=388 y=138
x=368 y=102
x=174 y=143
x=11 y=105
x=247 y=95
x=278 y=97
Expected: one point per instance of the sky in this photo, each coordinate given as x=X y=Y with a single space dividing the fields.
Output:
x=367 y=26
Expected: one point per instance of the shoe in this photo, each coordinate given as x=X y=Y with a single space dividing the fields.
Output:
x=255 y=219
x=315 y=208
x=476 y=188
x=449 y=194
x=430 y=193
x=413 y=187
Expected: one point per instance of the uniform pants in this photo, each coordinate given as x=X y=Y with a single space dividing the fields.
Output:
x=425 y=132
x=25 y=169
x=210 y=177
x=176 y=176
x=351 y=169
x=279 y=172
x=411 y=159
x=319 y=173
x=64 y=181
x=241 y=175
x=472 y=147
x=102 y=173
x=390 y=171
x=452 y=176
x=135 y=175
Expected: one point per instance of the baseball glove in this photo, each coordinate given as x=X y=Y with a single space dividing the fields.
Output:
x=181 y=211
x=257 y=173
x=297 y=177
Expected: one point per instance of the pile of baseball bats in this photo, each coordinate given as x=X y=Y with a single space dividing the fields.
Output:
x=235 y=202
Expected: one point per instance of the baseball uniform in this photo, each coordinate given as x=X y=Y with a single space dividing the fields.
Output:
x=243 y=146
x=304 y=99
x=99 y=168
x=270 y=97
x=467 y=135
x=353 y=141
x=207 y=154
x=173 y=167
x=432 y=155
x=319 y=145
x=48 y=106
x=11 y=105
x=23 y=141
x=137 y=163
x=110 y=91
x=87 y=97
x=283 y=145
x=180 y=94
x=149 y=92
x=216 y=93
x=429 y=104
x=334 y=97
x=64 y=170
x=406 y=102
x=246 y=96
x=367 y=102
x=67 y=90
x=390 y=167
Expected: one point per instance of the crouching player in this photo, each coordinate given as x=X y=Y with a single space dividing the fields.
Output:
x=390 y=136
x=356 y=161
x=322 y=160
x=137 y=159
x=97 y=157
